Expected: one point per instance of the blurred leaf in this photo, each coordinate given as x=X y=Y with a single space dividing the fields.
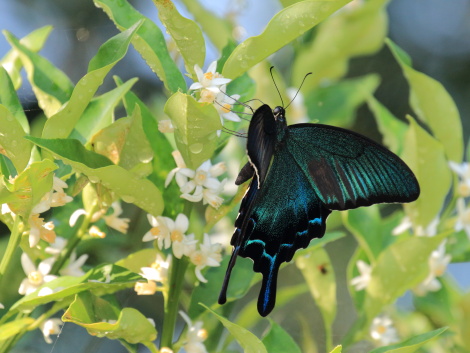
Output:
x=208 y=293
x=61 y=124
x=434 y=106
x=400 y=267
x=10 y=100
x=149 y=42
x=336 y=104
x=28 y=187
x=136 y=260
x=100 y=111
x=12 y=143
x=337 y=349
x=284 y=27
x=412 y=344
x=103 y=279
x=50 y=85
x=317 y=269
x=163 y=161
x=277 y=340
x=434 y=178
x=365 y=224
x=218 y=30
x=98 y=317
x=349 y=33
x=319 y=242
x=11 y=61
x=458 y=247
x=248 y=341
x=185 y=32
x=195 y=128
x=392 y=129
x=98 y=168
x=13 y=328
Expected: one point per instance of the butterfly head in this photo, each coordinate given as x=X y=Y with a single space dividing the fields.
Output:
x=280 y=115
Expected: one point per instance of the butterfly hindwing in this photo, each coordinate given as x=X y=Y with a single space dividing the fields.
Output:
x=348 y=170
x=284 y=216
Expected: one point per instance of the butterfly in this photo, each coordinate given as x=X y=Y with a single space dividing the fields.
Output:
x=299 y=174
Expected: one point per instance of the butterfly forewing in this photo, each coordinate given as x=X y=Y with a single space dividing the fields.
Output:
x=348 y=170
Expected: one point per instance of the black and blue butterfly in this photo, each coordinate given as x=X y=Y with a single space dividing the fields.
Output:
x=300 y=173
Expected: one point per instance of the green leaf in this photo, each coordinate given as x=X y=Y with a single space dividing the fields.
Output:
x=10 y=100
x=34 y=42
x=50 y=85
x=412 y=344
x=185 y=32
x=149 y=42
x=100 y=112
x=358 y=31
x=98 y=168
x=392 y=129
x=277 y=340
x=248 y=341
x=365 y=224
x=104 y=279
x=283 y=28
x=28 y=187
x=218 y=30
x=13 y=328
x=434 y=106
x=208 y=293
x=195 y=128
x=434 y=178
x=99 y=318
x=12 y=143
x=337 y=349
x=162 y=161
x=135 y=261
x=400 y=267
x=318 y=272
x=61 y=124
x=336 y=104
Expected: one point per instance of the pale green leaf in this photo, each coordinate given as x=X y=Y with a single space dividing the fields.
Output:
x=283 y=28
x=61 y=124
x=277 y=340
x=10 y=100
x=13 y=328
x=434 y=106
x=185 y=32
x=412 y=344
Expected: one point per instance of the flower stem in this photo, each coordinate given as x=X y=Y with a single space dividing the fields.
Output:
x=178 y=270
x=13 y=243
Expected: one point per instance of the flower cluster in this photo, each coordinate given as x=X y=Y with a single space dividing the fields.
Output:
x=172 y=233
x=200 y=184
x=155 y=274
x=195 y=336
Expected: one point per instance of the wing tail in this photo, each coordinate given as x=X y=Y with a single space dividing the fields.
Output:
x=231 y=264
x=267 y=295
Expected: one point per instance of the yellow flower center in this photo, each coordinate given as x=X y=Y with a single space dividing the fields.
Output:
x=35 y=278
x=155 y=231
x=207 y=96
x=202 y=334
x=197 y=258
x=226 y=108
x=209 y=76
x=381 y=329
x=176 y=235
x=200 y=177
x=156 y=266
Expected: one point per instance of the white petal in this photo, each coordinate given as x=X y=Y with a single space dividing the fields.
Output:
x=74 y=217
x=187 y=172
x=149 y=236
x=212 y=67
x=192 y=198
x=170 y=176
x=232 y=117
x=45 y=266
x=199 y=275
x=182 y=223
x=27 y=264
x=220 y=81
x=195 y=85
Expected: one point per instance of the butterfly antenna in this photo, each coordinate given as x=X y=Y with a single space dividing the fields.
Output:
x=274 y=81
x=237 y=101
x=220 y=105
x=233 y=132
x=296 y=93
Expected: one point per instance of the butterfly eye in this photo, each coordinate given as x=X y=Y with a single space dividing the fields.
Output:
x=279 y=113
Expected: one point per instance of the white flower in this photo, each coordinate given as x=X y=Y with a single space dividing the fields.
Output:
x=224 y=103
x=185 y=246
x=74 y=266
x=55 y=198
x=40 y=230
x=463 y=217
x=157 y=272
x=56 y=247
x=360 y=282
x=113 y=221
x=95 y=232
x=158 y=231
x=210 y=80
x=382 y=330
x=194 y=336
x=165 y=126
x=51 y=327
x=75 y=215
x=36 y=276
x=207 y=255
x=463 y=171
x=438 y=261
x=429 y=231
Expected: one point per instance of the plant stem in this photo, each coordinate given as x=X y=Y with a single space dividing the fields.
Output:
x=178 y=270
x=13 y=243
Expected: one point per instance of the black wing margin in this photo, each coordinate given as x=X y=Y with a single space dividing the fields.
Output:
x=348 y=170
